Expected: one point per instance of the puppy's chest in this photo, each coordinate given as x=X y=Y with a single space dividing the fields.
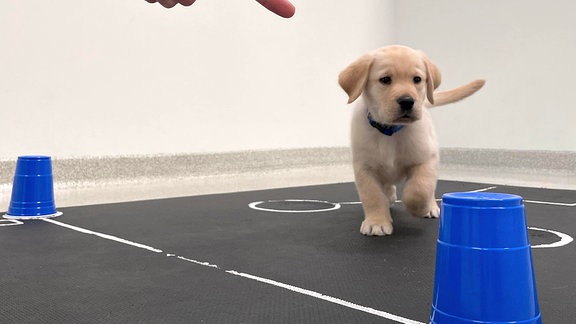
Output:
x=394 y=155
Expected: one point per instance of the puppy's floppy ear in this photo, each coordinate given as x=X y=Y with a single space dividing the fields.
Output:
x=353 y=78
x=433 y=78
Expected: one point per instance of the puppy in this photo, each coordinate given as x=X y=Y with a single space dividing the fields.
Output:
x=393 y=138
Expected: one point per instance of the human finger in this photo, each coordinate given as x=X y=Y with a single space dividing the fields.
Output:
x=282 y=8
x=168 y=3
x=172 y=3
x=187 y=2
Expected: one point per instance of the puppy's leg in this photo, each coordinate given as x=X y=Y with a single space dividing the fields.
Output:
x=390 y=192
x=377 y=219
x=418 y=195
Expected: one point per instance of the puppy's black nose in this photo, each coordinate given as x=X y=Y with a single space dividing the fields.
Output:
x=406 y=103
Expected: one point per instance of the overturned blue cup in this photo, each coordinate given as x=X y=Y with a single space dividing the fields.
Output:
x=33 y=189
x=484 y=271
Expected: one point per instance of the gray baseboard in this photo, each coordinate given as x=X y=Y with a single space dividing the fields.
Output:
x=110 y=179
x=545 y=161
x=543 y=169
x=80 y=171
x=93 y=180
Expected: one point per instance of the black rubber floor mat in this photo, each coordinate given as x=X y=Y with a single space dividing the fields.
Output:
x=291 y=255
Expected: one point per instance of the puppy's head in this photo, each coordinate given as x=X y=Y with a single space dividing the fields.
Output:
x=395 y=82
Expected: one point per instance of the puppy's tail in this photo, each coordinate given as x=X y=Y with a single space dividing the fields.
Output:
x=457 y=94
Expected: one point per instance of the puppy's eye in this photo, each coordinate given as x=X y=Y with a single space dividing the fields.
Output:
x=417 y=79
x=385 y=80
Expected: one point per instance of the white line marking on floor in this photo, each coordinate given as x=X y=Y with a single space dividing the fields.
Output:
x=206 y=264
x=399 y=201
x=254 y=205
x=333 y=206
x=102 y=235
x=10 y=222
x=303 y=291
x=483 y=189
x=334 y=300
x=565 y=239
x=550 y=203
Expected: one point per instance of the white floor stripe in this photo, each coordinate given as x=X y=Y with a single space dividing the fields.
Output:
x=333 y=206
x=10 y=222
x=206 y=264
x=565 y=239
x=334 y=300
x=483 y=189
x=437 y=199
x=303 y=291
x=102 y=235
x=550 y=203
x=528 y=201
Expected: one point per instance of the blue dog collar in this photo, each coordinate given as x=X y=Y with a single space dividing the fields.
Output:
x=387 y=130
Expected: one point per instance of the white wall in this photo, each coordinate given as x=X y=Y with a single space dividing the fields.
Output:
x=123 y=77
x=118 y=77
x=526 y=50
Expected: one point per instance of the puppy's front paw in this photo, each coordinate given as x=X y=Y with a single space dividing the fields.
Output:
x=434 y=211
x=371 y=228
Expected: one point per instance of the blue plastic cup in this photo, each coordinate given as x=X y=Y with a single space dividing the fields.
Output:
x=33 y=189
x=484 y=271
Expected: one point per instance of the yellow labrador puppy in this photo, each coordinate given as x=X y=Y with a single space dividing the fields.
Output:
x=393 y=138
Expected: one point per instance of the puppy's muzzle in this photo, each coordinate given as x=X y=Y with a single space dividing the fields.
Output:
x=406 y=104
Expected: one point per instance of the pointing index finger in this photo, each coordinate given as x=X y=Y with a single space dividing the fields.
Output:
x=282 y=8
